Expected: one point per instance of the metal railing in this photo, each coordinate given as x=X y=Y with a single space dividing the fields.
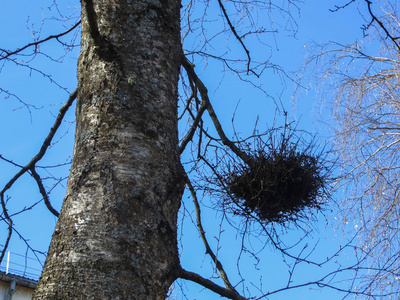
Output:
x=22 y=265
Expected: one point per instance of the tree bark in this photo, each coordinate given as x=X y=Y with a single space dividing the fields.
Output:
x=116 y=234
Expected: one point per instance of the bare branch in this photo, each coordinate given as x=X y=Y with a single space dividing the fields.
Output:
x=204 y=95
x=338 y=7
x=10 y=226
x=362 y=83
x=6 y=54
x=375 y=19
x=63 y=110
x=233 y=29
x=42 y=190
x=204 y=239
x=196 y=122
x=209 y=285
x=46 y=142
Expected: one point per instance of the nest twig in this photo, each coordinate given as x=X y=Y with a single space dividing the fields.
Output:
x=281 y=182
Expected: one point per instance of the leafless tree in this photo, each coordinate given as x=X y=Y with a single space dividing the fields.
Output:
x=117 y=232
x=361 y=85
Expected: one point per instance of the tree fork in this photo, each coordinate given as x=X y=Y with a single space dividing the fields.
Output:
x=116 y=235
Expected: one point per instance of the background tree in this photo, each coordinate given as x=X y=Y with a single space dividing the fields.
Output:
x=361 y=83
x=119 y=217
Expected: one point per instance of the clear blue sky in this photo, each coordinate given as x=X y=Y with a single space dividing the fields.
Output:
x=24 y=128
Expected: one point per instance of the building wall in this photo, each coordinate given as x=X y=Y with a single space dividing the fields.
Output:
x=20 y=292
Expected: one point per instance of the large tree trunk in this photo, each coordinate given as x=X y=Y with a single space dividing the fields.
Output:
x=116 y=235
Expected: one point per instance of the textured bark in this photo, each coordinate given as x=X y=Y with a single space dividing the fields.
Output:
x=116 y=235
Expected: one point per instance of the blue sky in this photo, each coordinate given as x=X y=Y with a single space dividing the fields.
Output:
x=25 y=127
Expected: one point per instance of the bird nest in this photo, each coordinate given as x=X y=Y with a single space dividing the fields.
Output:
x=278 y=184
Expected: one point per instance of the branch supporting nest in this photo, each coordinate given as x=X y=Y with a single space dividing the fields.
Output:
x=276 y=181
x=206 y=104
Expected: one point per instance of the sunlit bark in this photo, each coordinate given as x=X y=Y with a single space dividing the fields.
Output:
x=116 y=235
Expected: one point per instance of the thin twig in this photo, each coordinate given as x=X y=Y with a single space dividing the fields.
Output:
x=35 y=44
x=209 y=251
x=237 y=37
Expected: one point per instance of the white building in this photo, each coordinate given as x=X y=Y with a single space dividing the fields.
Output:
x=14 y=287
